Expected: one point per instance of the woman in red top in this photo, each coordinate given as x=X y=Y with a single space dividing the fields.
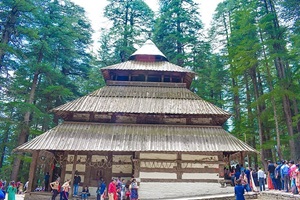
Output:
x=112 y=190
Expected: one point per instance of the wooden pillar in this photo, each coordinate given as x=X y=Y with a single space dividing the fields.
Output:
x=73 y=172
x=136 y=165
x=63 y=167
x=88 y=169
x=32 y=170
x=178 y=163
x=242 y=158
x=51 y=164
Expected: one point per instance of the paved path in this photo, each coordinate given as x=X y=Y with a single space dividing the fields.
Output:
x=18 y=197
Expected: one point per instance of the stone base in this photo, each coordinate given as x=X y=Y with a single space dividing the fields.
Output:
x=173 y=190
x=47 y=196
x=278 y=195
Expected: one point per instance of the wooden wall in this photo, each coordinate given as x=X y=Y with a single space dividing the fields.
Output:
x=206 y=167
x=91 y=166
x=145 y=166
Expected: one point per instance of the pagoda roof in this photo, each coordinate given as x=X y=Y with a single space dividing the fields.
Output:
x=148 y=100
x=84 y=136
x=148 y=48
x=162 y=66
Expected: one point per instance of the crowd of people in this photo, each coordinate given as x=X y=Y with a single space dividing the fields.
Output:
x=283 y=176
x=118 y=189
x=12 y=188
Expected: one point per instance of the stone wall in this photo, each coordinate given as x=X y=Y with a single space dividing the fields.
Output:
x=169 y=190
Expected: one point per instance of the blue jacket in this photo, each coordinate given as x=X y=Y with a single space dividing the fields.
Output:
x=239 y=191
x=102 y=187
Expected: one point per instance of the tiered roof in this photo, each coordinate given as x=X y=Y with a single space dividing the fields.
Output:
x=166 y=96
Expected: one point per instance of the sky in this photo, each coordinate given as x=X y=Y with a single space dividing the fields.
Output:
x=95 y=9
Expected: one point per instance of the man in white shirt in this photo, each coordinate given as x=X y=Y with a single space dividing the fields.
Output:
x=261 y=179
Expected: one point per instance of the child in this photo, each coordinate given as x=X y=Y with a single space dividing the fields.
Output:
x=85 y=192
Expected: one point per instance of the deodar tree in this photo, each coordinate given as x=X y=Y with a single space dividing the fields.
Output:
x=51 y=56
x=130 y=21
x=264 y=75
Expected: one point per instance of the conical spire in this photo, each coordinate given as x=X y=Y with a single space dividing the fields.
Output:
x=148 y=49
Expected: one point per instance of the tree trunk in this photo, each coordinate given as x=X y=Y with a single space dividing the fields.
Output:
x=262 y=137
x=296 y=113
x=281 y=69
x=236 y=99
x=270 y=84
x=23 y=137
x=250 y=120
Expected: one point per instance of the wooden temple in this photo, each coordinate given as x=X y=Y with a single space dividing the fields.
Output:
x=145 y=122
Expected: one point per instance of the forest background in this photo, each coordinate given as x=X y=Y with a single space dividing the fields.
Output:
x=247 y=64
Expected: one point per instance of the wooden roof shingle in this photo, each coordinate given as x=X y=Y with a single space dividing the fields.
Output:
x=79 y=136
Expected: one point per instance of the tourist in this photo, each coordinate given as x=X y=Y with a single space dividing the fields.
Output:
x=232 y=171
x=293 y=175
x=2 y=191
x=242 y=169
x=261 y=179
x=123 y=189
x=11 y=191
x=298 y=176
x=247 y=172
x=101 y=190
x=26 y=186
x=237 y=173
x=278 y=175
x=85 y=193
x=65 y=188
x=46 y=179
x=2 y=194
x=271 y=175
x=134 y=190
x=55 y=189
x=239 y=190
x=119 y=186
x=244 y=181
x=77 y=180
x=285 y=175
x=20 y=188
x=112 y=190
x=253 y=180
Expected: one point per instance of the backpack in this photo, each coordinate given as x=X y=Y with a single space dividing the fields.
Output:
x=285 y=170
